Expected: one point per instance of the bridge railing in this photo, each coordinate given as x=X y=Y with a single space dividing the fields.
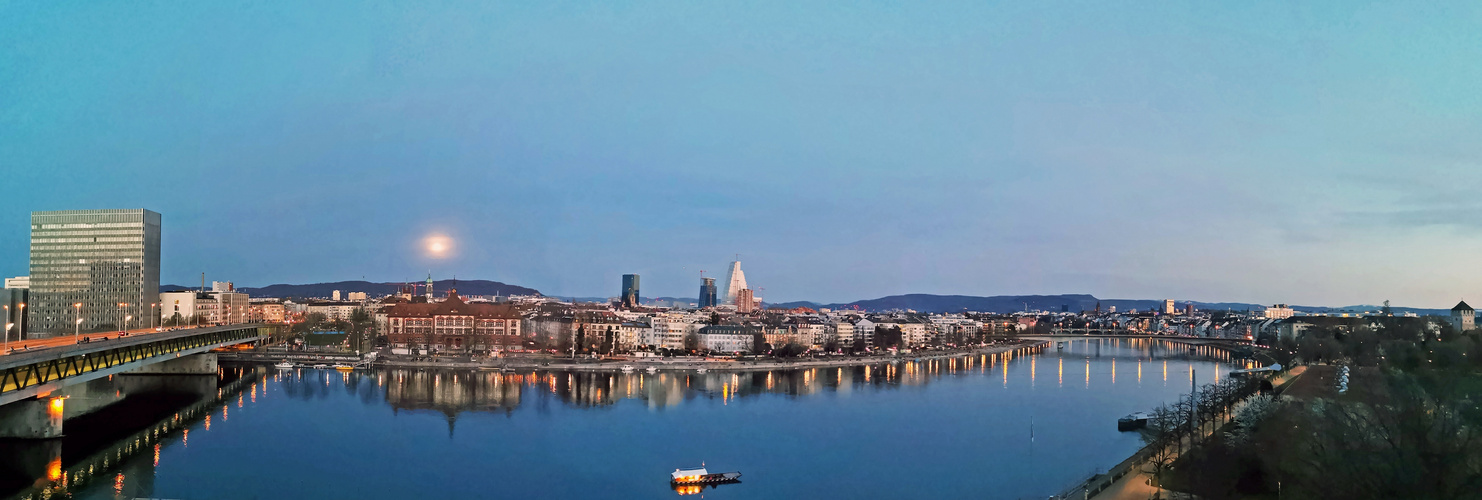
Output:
x=25 y=372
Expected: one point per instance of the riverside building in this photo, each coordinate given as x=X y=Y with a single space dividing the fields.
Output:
x=98 y=266
x=453 y=326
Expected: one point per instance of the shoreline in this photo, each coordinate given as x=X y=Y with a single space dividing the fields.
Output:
x=616 y=365
x=773 y=364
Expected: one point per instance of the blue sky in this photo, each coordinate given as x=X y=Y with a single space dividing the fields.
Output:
x=1321 y=153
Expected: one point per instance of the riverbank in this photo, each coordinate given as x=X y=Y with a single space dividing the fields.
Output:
x=773 y=364
x=541 y=362
x=1130 y=480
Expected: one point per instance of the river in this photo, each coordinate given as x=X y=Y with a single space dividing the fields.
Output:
x=1022 y=424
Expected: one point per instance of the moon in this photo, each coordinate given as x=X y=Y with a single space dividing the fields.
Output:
x=438 y=246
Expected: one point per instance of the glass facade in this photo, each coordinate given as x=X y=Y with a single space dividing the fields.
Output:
x=630 y=290
x=106 y=260
x=707 y=292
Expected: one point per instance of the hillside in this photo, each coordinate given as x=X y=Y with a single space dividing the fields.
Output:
x=324 y=290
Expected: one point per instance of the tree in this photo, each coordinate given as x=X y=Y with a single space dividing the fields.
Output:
x=789 y=351
x=1414 y=445
x=888 y=337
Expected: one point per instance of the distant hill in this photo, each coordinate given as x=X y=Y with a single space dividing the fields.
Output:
x=1054 y=303
x=322 y=290
x=949 y=303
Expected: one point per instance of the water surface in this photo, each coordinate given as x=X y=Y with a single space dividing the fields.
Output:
x=1023 y=424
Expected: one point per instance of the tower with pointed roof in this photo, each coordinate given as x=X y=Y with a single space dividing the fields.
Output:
x=1463 y=317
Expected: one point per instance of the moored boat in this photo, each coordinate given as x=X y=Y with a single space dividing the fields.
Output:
x=652 y=370
x=344 y=368
x=627 y=368
x=1132 y=422
x=284 y=365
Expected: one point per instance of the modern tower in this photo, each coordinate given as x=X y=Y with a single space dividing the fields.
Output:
x=735 y=282
x=630 y=290
x=707 y=292
x=100 y=266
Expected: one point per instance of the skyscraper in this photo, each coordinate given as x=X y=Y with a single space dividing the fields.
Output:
x=707 y=292
x=100 y=266
x=735 y=281
x=630 y=290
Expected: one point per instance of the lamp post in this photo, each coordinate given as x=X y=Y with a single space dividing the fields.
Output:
x=121 y=313
x=126 y=321
x=152 y=316
x=77 y=331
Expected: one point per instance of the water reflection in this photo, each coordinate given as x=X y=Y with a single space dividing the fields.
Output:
x=118 y=448
x=452 y=392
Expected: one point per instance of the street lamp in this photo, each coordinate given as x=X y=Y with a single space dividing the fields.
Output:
x=7 y=335
x=77 y=307
x=152 y=315
x=126 y=321
x=121 y=306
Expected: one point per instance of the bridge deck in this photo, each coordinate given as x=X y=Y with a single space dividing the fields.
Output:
x=26 y=374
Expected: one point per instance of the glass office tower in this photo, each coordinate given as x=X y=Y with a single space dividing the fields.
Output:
x=707 y=292
x=108 y=261
x=630 y=290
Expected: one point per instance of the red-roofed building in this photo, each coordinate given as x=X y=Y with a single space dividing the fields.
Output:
x=453 y=326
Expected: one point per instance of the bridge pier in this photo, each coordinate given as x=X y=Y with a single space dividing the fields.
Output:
x=194 y=364
x=88 y=397
x=35 y=418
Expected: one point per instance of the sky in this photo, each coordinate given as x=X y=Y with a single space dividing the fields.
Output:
x=1317 y=153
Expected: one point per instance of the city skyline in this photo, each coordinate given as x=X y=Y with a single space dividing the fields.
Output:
x=1314 y=154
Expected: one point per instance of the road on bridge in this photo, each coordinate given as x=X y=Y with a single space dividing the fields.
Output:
x=31 y=345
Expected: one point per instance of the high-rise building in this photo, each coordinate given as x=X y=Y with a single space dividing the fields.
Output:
x=735 y=282
x=1169 y=307
x=745 y=304
x=707 y=292
x=100 y=266
x=630 y=290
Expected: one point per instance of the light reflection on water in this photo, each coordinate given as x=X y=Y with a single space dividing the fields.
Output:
x=911 y=428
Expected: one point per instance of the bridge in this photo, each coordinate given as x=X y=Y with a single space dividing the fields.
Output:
x=36 y=383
